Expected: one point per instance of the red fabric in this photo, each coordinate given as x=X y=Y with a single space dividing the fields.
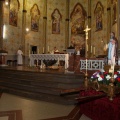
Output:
x=102 y=109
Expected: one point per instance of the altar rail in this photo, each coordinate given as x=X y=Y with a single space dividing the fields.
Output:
x=42 y=57
x=92 y=64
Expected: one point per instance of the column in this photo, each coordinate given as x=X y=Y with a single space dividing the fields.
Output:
x=89 y=25
x=108 y=23
x=1 y=22
x=118 y=20
x=44 y=26
x=24 y=27
x=67 y=24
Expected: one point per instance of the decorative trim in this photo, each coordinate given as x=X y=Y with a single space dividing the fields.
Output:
x=78 y=4
x=99 y=4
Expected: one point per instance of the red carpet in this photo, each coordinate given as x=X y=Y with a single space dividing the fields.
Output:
x=102 y=109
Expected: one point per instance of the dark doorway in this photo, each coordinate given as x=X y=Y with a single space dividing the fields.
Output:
x=34 y=49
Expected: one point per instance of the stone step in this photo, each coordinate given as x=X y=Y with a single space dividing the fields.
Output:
x=48 y=90
x=68 y=100
x=41 y=83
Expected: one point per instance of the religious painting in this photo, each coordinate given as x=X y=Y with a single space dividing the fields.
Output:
x=78 y=17
x=13 y=13
x=35 y=16
x=98 y=14
x=56 y=17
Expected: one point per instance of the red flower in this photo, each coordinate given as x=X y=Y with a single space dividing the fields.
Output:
x=105 y=73
x=102 y=76
x=118 y=79
x=115 y=72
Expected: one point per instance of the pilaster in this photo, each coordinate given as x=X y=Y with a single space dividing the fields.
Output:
x=24 y=26
x=89 y=25
x=44 y=40
x=1 y=23
x=67 y=24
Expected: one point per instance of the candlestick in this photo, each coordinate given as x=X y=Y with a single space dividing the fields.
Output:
x=48 y=48
x=91 y=48
x=38 y=50
x=87 y=47
x=94 y=51
x=43 y=49
x=86 y=64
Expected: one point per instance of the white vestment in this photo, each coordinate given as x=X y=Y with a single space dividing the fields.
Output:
x=112 y=60
x=19 y=57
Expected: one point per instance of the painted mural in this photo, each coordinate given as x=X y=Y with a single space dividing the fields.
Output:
x=98 y=14
x=56 y=17
x=35 y=15
x=78 y=16
x=13 y=13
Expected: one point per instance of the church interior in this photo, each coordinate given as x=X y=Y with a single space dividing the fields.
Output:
x=59 y=59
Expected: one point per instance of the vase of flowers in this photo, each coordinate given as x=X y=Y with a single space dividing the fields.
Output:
x=107 y=82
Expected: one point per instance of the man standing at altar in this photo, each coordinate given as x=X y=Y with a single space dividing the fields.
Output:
x=55 y=50
x=19 y=57
x=112 y=49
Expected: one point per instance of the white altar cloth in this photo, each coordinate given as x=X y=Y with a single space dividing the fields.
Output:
x=42 y=57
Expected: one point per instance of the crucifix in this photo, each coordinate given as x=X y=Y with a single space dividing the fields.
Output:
x=86 y=45
x=86 y=75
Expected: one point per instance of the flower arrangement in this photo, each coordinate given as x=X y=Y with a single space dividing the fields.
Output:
x=105 y=77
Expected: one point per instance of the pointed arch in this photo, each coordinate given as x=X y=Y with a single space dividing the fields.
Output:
x=98 y=11
x=35 y=16
x=78 y=16
x=56 y=18
x=13 y=13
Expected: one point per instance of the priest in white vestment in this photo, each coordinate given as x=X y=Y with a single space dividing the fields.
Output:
x=19 y=57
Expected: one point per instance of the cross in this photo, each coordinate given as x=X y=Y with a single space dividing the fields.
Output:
x=87 y=29
x=86 y=32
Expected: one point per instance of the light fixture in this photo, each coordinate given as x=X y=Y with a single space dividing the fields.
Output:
x=27 y=29
x=4 y=31
x=6 y=2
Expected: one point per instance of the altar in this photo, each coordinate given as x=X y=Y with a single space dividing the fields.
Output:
x=41 y=57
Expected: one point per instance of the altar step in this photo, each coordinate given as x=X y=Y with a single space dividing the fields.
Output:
x=41 y=86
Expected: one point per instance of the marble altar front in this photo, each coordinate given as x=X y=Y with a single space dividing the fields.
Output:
x=42 y=57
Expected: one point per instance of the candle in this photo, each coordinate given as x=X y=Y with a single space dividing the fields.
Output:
x=43 y=49
x=94 y=51
x=48 y=48
x=38 y=50
x=86 y=64
x=91 y=48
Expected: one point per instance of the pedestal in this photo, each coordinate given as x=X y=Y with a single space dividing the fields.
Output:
x=2 y=59
x=107 y=67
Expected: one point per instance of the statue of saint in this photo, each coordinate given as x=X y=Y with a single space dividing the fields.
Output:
x=112 y=49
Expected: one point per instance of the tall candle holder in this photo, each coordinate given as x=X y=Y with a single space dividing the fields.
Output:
x=111 y=85
x=86 y=73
